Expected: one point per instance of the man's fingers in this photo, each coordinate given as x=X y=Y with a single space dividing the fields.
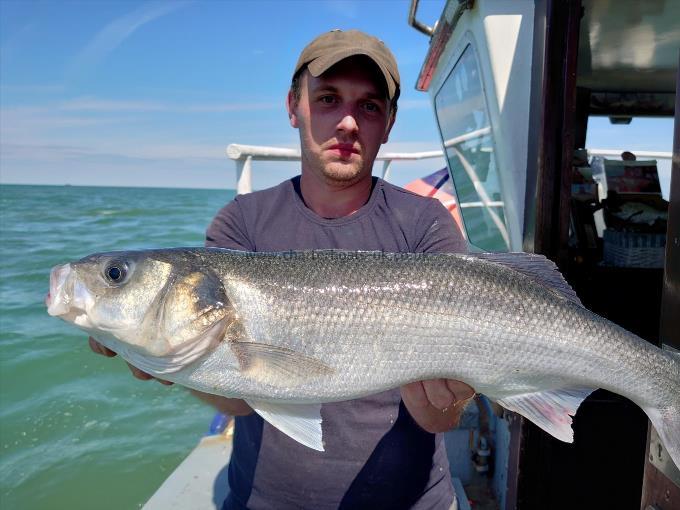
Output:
x=460 y=390
x=439 y=394
x=414 y=395
x=100 y=349
x=138 y=373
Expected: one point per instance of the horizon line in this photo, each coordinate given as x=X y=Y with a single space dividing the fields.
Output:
x=67 y=185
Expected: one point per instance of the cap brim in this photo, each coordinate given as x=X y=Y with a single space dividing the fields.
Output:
x=320 y=65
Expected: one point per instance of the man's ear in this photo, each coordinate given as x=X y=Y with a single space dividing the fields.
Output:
x=390 y=123
x=291 y=105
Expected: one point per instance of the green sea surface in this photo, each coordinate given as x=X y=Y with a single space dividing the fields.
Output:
x=77 y=431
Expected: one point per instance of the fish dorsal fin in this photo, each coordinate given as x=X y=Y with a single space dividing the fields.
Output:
x=272 y=364
x=537 y=267
x=550 y=410
x=302 y=422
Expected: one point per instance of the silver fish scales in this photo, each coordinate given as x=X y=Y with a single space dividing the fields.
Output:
x=288 y=331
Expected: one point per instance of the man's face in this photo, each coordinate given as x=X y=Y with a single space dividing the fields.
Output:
x=343 y=117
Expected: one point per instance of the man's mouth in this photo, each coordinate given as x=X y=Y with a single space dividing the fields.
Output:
x=344 y=150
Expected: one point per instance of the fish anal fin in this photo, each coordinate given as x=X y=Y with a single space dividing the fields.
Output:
x=276 y=365
x=550 y=410
x=301 y=422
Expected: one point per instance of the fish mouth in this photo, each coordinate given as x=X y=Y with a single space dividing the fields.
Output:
x=58 y=299
x=67 y=298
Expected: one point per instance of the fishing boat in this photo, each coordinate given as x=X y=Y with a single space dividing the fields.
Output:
x=513 y=85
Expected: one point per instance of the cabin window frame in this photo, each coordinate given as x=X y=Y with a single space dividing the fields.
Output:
x=465 y=43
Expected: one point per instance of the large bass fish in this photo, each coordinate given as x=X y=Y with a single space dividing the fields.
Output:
x=289 y=331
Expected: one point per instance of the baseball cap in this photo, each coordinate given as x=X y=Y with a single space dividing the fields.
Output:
x=330 y=48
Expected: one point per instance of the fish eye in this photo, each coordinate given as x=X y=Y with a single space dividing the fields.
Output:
x=115 y=272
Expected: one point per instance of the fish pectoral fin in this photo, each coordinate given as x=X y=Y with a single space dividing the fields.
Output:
x=550 y=410
x=301 y=422
x=276 y=365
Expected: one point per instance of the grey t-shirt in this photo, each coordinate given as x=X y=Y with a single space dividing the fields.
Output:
x=376 y=455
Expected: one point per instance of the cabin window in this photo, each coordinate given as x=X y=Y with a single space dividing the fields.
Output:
x=466 y=133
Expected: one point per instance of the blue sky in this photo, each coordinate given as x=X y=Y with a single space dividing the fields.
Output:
x=151 y=93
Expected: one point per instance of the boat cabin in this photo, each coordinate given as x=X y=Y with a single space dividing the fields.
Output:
x=515 y=87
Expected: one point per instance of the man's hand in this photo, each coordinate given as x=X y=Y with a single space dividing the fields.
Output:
x=231 y=406
x=104 y=351
x=436 y=405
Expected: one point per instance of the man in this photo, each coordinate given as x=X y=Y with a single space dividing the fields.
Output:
x=381 y=451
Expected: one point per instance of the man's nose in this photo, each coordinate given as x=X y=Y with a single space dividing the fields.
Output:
x=348 y=123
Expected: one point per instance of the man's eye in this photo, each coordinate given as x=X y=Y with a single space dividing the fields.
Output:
x=371 y=107
x=327 y=99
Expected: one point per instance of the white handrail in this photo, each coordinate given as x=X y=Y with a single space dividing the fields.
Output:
x=408 y=156
x=237 y=151
x=260 y=152
x=457 y=140
x=244 y=155
x=638 y=154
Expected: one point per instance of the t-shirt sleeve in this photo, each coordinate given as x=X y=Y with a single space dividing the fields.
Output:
x=228 y=229
x=440 y=231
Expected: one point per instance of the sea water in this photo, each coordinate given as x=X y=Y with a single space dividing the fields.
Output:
x=76 y=429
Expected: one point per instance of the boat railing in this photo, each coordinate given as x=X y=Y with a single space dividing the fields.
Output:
x=638 y=154
x=244 y=155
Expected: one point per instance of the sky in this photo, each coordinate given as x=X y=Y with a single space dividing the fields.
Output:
x=151 y=93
